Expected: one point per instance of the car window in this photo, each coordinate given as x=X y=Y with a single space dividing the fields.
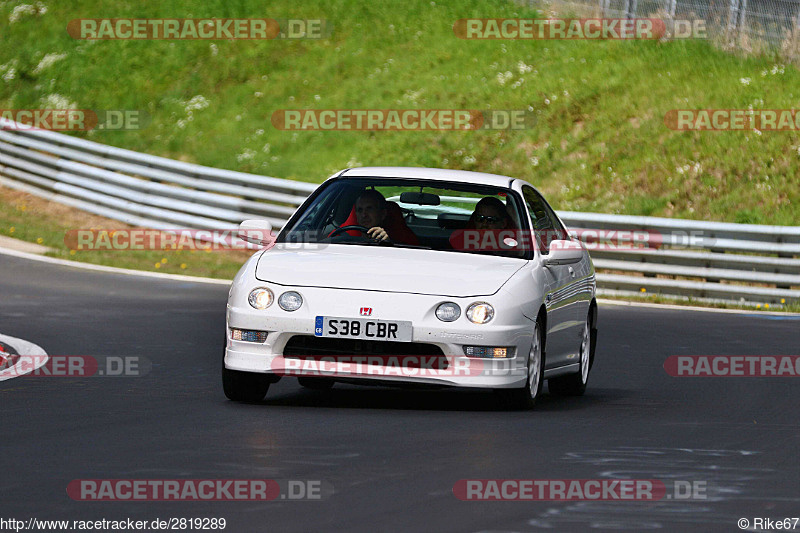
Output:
x=560 y=232
x=546 y=225
x=420 y=213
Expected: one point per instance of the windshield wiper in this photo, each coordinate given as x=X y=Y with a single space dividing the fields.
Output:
x=359 y=243
x=384 y=243
x=401 y=245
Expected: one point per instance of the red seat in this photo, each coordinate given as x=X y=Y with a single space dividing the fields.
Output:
x=395 y=225
x=351 y=220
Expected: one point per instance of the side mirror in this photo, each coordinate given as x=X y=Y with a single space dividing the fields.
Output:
x=563 y=252
x=256 y=231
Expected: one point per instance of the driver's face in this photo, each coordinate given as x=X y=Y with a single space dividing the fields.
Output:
x=369 y=213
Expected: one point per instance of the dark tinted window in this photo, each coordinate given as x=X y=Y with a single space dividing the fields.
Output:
x=419 y=213
x=546 y=226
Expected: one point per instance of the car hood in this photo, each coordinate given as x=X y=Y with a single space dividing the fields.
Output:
x=380 y=268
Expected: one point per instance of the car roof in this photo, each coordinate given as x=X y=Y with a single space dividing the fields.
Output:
x=434 y=174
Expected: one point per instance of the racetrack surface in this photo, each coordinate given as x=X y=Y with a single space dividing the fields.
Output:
x=391 y=455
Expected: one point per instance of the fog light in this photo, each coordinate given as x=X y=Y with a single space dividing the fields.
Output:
x=489 y=352
x=248 y=335
x=480 y=312
x=260 y=298
x=290 y=301
x=448 y=312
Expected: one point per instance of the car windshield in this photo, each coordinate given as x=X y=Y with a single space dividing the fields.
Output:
x=415 y=213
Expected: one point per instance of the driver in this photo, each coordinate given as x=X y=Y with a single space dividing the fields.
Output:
x=383 y=220
x=371 y=213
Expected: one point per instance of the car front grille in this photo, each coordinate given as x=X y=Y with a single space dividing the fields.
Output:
x=408 y=354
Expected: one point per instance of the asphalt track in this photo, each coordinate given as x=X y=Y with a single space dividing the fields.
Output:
x=392 y=456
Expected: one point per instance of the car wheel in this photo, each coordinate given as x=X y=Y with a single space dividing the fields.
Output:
x=243 y=386
x=575 y=384
x=525 y=398
x=315 y=383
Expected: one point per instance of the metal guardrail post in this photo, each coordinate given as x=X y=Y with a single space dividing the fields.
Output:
x=733 y=18
x=631 y=7
x=741 y=23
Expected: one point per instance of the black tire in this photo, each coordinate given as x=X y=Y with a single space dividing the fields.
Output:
x=575 y=384
x=243 y=386
x=315 y=383
x=525 y=398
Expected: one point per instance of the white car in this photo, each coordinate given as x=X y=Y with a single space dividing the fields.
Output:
x=414 y=276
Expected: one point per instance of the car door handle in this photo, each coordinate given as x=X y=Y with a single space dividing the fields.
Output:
x=571 y=271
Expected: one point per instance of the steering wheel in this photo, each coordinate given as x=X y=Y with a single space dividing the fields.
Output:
x=337 y=231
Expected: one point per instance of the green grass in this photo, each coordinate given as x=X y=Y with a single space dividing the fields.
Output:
x=790 y=307
x=34 y=220
x=600 y=144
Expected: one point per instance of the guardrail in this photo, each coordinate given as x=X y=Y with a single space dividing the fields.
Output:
x=697 y=259
x=694 y=259
x=140 y=189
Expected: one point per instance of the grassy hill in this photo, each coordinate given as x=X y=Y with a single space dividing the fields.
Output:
x=599 y=142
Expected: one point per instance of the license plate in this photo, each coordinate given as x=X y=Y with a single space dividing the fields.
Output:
x=358 y=328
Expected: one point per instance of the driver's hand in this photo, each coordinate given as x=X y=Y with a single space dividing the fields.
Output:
x=378 y=233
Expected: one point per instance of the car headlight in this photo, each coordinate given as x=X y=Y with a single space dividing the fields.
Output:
x=448 y=312
x=290 y=301
x=260 y=298
x=480 y=312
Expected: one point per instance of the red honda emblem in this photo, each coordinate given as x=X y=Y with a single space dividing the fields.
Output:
x=366 y=311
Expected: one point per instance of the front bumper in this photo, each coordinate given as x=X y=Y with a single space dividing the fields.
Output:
x=510 y=328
